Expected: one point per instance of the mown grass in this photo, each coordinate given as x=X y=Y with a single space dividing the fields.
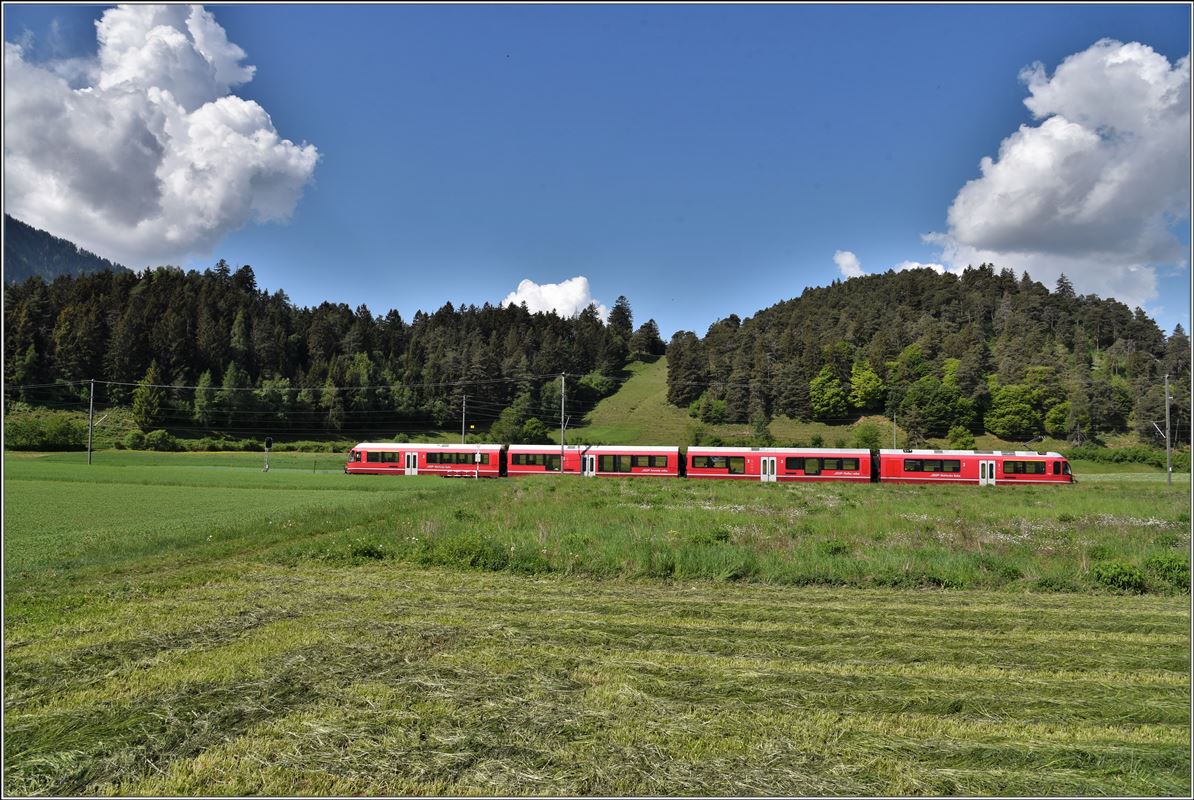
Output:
x=180 y=624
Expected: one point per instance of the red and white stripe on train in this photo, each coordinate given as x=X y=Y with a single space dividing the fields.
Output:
x=765 y=464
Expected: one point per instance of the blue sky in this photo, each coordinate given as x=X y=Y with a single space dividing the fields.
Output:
x=701 y=160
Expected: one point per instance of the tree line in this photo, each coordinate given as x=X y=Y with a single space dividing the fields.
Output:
x=211 y=352
x=947 y=355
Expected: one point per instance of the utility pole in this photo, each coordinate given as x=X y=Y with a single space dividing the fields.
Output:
x=463 y=406
x=561 y=423
x=91 y=416
x=1168 y=449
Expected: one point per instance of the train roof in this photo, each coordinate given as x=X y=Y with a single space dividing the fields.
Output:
x=412 y=446
x=1020 y=453
x=535 y=448
x=828 y=451
x=635 y=448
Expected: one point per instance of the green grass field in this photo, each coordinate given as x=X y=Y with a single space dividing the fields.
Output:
x=186 y=624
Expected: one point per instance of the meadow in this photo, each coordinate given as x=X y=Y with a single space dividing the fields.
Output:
x=187 y=624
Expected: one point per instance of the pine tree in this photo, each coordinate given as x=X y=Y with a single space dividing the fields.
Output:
x=205 y=398
x=621 y=321
x=147 y=399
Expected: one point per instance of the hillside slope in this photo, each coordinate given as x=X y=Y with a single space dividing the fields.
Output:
x=29 y=251
x=638 y=413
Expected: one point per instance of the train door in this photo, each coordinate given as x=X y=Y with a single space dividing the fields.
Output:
x=767 y=469
x=412 y=463
x=590 y=466
x=986 y=473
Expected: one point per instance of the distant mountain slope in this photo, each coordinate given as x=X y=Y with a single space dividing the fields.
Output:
x=29 y=251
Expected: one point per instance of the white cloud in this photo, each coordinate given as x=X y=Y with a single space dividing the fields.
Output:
x=847 y=262
x=851 y=267
x=1092 y=190
x=566 y=298
x=938 y=268
x=142 y=155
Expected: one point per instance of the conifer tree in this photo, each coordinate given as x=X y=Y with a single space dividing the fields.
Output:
x=147 y=399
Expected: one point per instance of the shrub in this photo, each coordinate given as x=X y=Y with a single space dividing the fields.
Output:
x=817 y=440
x=1119 y=576
x=1171 y=567
x=44 y=430
x=1055 y=583
x=960 y=438
x=161 y=440
x=867 y=435
x=134 y=440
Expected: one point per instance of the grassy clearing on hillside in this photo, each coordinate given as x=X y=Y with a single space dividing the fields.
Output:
x=186 y=624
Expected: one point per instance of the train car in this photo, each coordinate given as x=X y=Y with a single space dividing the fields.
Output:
x=630 y=461
x=982 y=467
x=540 y=459
x=449 y=460
x=768 y=464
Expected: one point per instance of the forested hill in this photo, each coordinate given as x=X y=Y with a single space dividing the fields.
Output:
x=245 y=361
x=29 y=251
x=984 y=350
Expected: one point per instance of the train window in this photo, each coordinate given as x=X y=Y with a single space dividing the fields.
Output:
x=553 y=462
x=1065 y=468
x=849 y=463
x=951 y=465
x=518 y=459
x=658 y=461
x=812 y=466
x=624 y=463
x=356 y=455
x=793 y=463
x=932 y=465
x=485 y=458
x=737 y=465
x=641 y=461
x=913 y=465
x=1056 y=467
x=605 y=463
x=1034 y=467
x=709 y=462
x=389 y=458
x=832 y=463
x=373 y=458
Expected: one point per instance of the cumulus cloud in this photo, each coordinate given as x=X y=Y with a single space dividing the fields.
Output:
x=566 y=298
x=143 y=154
x=848 y=264
x=938 y=268
x=1093 y=189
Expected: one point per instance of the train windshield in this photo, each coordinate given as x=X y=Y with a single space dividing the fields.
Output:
x=1065 y=468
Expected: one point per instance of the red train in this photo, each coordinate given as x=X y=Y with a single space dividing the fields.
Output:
x=764 y=464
